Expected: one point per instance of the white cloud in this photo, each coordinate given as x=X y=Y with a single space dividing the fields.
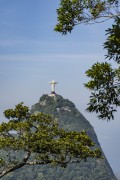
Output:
x=59 y=44
x=51 y=57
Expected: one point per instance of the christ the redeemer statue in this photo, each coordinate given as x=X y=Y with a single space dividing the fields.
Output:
x=53 y=83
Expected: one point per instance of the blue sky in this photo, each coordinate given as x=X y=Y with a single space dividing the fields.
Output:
x=32 y=54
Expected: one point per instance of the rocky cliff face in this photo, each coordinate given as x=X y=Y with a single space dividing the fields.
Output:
x=71 y=119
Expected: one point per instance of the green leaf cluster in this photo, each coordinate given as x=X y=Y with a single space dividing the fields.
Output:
x=71 y=121
x=105 y=81
x=73 y=12
x=112 y=43
x=41 y=141
x=105 y=86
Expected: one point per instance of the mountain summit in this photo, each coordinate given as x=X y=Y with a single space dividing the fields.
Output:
x=71 y=119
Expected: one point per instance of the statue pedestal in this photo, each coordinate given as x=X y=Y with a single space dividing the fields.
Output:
x=52 y=94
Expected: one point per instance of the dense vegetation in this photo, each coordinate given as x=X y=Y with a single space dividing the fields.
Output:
x=36 y=139
x=105 y=80
x=74 y=12
x=70 y=119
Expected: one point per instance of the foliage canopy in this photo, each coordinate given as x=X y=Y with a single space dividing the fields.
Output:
x=73 y=12
x=39 y=140
x=105 y=86
x=105 y=81
x=112 y=43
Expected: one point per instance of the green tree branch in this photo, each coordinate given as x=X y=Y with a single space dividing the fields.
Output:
x=30 y=139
